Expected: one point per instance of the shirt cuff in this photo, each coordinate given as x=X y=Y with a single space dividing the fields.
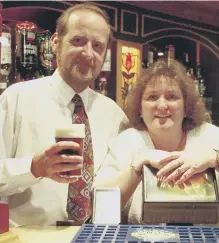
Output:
x=18 y=171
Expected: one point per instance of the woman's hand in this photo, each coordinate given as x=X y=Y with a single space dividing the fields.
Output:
x=178 y=167
x=150 y=157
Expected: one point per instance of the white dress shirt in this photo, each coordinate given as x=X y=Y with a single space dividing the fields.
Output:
x=130 y=143
x=29 y=113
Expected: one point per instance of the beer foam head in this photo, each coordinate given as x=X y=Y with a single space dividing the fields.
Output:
x=71 y=131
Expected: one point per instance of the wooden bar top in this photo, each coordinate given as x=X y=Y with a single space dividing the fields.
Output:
x=39 y=234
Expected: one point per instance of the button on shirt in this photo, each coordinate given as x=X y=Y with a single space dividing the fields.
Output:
x=29 y=113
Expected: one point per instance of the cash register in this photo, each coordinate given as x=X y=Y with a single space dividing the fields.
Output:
x=170 y=214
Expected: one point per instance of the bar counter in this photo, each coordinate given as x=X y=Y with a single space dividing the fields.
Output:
x=112 y=233
x=39 y=234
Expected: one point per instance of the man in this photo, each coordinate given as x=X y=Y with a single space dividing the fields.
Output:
x=30 y=111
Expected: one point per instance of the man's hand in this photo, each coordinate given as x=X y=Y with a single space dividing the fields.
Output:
x=49 y=163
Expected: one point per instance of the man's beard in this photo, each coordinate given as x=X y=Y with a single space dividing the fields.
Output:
x=75 y=75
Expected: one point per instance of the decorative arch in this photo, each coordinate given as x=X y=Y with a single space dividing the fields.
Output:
x=36 y=14
x=35 y=8
x=181 y=33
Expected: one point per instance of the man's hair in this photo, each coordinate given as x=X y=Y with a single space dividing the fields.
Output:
x=62 y=22
x=174 y=73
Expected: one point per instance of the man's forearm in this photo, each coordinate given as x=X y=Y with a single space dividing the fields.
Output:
x=15 y=175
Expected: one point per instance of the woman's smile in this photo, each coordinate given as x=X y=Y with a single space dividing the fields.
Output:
x=162 y=116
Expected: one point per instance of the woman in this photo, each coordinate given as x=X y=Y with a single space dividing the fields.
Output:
x=167 y=119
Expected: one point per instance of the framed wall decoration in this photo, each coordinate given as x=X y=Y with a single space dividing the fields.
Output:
x=129 y=56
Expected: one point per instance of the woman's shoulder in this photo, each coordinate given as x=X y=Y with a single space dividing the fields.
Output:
x=206 y=130
x=132 y=133
x=129 y=138
x=206 y=135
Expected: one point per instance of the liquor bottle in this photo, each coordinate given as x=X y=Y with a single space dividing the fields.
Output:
x=103 y=85
x=186 y=62
x=191 y=74
x=150 y=57
x=104 y=74
x=169 y=52
x=45 y=53
x=6 y=57
x=26 y=50
x=201 y=83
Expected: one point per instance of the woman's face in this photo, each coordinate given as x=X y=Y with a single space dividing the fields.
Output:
x=162 y=106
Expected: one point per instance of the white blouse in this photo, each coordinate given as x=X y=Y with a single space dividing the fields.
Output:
x=128 y=145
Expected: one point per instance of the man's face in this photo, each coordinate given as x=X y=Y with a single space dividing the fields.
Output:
x=81 y=52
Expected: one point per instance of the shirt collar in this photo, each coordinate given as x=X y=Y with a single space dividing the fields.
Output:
x=65 y=92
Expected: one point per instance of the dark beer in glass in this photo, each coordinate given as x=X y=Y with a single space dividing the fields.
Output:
x=74 y=133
